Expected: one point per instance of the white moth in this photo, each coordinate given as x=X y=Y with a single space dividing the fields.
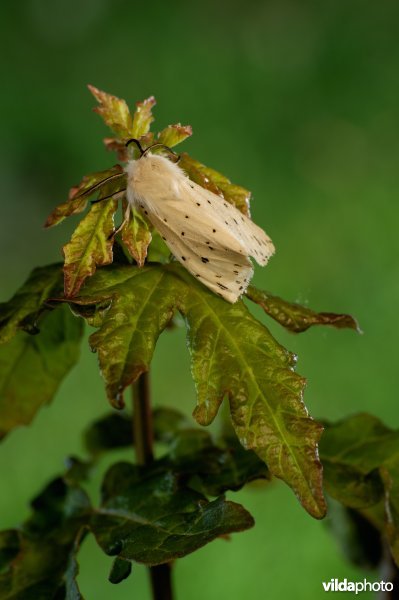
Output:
x=211 y=238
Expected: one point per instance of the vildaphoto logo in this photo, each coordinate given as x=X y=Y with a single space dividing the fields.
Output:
x=335 y=585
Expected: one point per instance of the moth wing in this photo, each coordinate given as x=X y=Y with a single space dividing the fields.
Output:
x=209 y=236
x=227 y=273
x=252 y=238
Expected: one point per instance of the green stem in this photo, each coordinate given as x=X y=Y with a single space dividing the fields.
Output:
x=160 y=575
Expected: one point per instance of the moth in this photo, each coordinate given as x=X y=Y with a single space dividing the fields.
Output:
x=209 y=236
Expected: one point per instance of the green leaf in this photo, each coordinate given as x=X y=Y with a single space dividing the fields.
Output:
x=33 y=366
x=167 y=423
x=121 y=569
x=213 y=468
x=110 y=181
x=26 y=306
x=77 y=470
x=115 y=429
x=390 y=476
x=359 y=541
x=216 y=182
x=295 y=317
x=108 y=433
x=174 y=134
x=154 y=519
x=136 y=236
x=90 y=245
x=232 y=355
x=210 y=467
x=361 y=467
x=38 y=560
x=352 y=451
x=158 y=251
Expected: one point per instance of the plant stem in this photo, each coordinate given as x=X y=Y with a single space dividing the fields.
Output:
x=142 y=421
x=160 y=575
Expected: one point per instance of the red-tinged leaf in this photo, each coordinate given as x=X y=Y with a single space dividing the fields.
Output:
x=110 y=180
x=216 y=182
x=66 y=209
x=136 y=236
x=142 y=117
x=295 y=317
x=232 y=355
x=174 y=134
x=114 y=145
x=135 y=296
x=147 y=139
x=92 y=183
x=114 y=111
x=90 y=245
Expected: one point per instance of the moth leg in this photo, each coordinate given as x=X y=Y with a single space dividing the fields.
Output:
x=121 y=226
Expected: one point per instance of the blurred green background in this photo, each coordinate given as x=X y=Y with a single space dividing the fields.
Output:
x=297 y=101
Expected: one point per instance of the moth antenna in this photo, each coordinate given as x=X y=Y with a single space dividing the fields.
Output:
x=139 y=146
x=159 y=144
x=98 y=184
x=106 y=197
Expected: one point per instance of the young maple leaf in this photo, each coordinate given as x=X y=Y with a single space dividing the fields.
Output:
x=91 y=245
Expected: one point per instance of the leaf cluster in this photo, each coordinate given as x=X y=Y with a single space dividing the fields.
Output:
x=148 y=515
